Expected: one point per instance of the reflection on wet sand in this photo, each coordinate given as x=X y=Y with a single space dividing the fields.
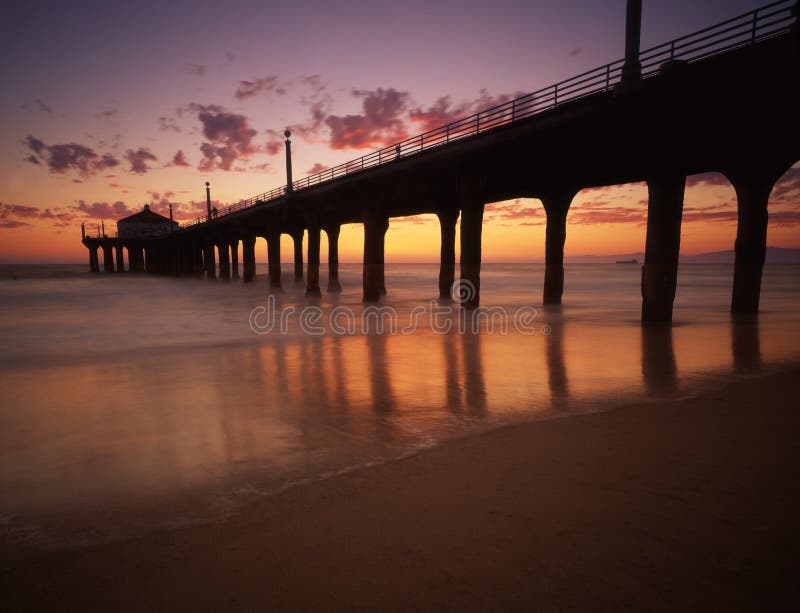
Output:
x=452 y=380
x=473 y=375
x=746 y=344
x=557 y=366
x=185 y=419
x=659 y=368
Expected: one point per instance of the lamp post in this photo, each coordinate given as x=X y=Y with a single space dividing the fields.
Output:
x=208 y=200
x=289 y=186
x=632 y=68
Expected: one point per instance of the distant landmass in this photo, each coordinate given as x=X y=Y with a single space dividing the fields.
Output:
x=775 y=255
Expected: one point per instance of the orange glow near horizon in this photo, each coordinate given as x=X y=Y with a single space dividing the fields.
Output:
x=604 y=221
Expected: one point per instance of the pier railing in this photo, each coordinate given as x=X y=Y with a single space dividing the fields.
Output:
x=745 y=30
x=97 y=231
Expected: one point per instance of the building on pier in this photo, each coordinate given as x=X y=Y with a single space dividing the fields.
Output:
x=145 y=224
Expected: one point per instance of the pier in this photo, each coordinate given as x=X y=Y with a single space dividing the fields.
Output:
x=723 y=99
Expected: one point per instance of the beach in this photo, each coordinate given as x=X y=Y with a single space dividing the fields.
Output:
x=684 y=504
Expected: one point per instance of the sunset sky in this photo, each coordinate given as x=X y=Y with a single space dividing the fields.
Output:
x=110 y=105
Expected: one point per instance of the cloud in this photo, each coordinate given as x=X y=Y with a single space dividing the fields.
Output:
x=39 y=106
x=516 y=210
x=613 y=215
x=138 y=160
x=181 y=211
x=576 y=52
x=229 y=137
x=35 y=145
x=106 y=115
x=104 y=210
x=319 y=110
x=167 y=124
x=179 y=159
x=317 y=168
x=21 y=216
x=63 y=158
x=42 y=107
x=380 y=124
x=443 y=111
x=249 y=89
x=12 y=223
x=274 y=144
x=707 y=178
x=787 y=189
x=196 y=70
x=20 y=210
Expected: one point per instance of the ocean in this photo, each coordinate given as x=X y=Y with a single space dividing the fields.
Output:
x=130 y=403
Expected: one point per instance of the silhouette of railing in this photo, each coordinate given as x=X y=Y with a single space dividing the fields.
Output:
x=766 y=22
x=95 y=231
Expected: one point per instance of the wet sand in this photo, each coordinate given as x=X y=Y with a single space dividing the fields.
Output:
x=689 y=504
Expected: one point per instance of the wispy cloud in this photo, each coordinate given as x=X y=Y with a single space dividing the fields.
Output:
x=229 y=137
x=380 y=123
x=249 y=89
x=139 y=159
x=196 y=70
x=63 y=158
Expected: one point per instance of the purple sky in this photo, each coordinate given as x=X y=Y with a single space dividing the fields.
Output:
x=107 y=105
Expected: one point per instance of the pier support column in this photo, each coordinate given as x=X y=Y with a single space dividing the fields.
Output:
x=187 y=260
x=108 y=258
x=136 y=258
x=297 y=240
x=556 y=206
x=447 y=252
x=753 y=187
x=209 y=264
x=312 y=286
x=375 y=226
x=662 y=247
x=197 y=261
x=120 y=259
x=224 y=261
x=94 y=264
x=333 y=258
x=471 y=230
x=248 y=259
x=235 y=258
x=274 y=259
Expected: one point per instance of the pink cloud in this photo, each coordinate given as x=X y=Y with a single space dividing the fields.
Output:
x=380 y=124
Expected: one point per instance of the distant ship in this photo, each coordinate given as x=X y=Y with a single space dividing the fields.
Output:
x=631 y=261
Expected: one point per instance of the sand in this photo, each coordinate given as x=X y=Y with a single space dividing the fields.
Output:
x=687 y=505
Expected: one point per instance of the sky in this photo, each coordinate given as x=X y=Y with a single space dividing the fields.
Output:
x=110 y=105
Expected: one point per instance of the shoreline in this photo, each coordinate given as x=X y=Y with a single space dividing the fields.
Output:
x=691 y=504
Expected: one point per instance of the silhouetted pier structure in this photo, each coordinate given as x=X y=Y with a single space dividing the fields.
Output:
x=723 y=99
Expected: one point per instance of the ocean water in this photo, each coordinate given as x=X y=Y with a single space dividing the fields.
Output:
x=130 y=402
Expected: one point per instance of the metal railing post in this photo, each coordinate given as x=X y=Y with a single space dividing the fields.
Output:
x=555 y=89
x=755 y=27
